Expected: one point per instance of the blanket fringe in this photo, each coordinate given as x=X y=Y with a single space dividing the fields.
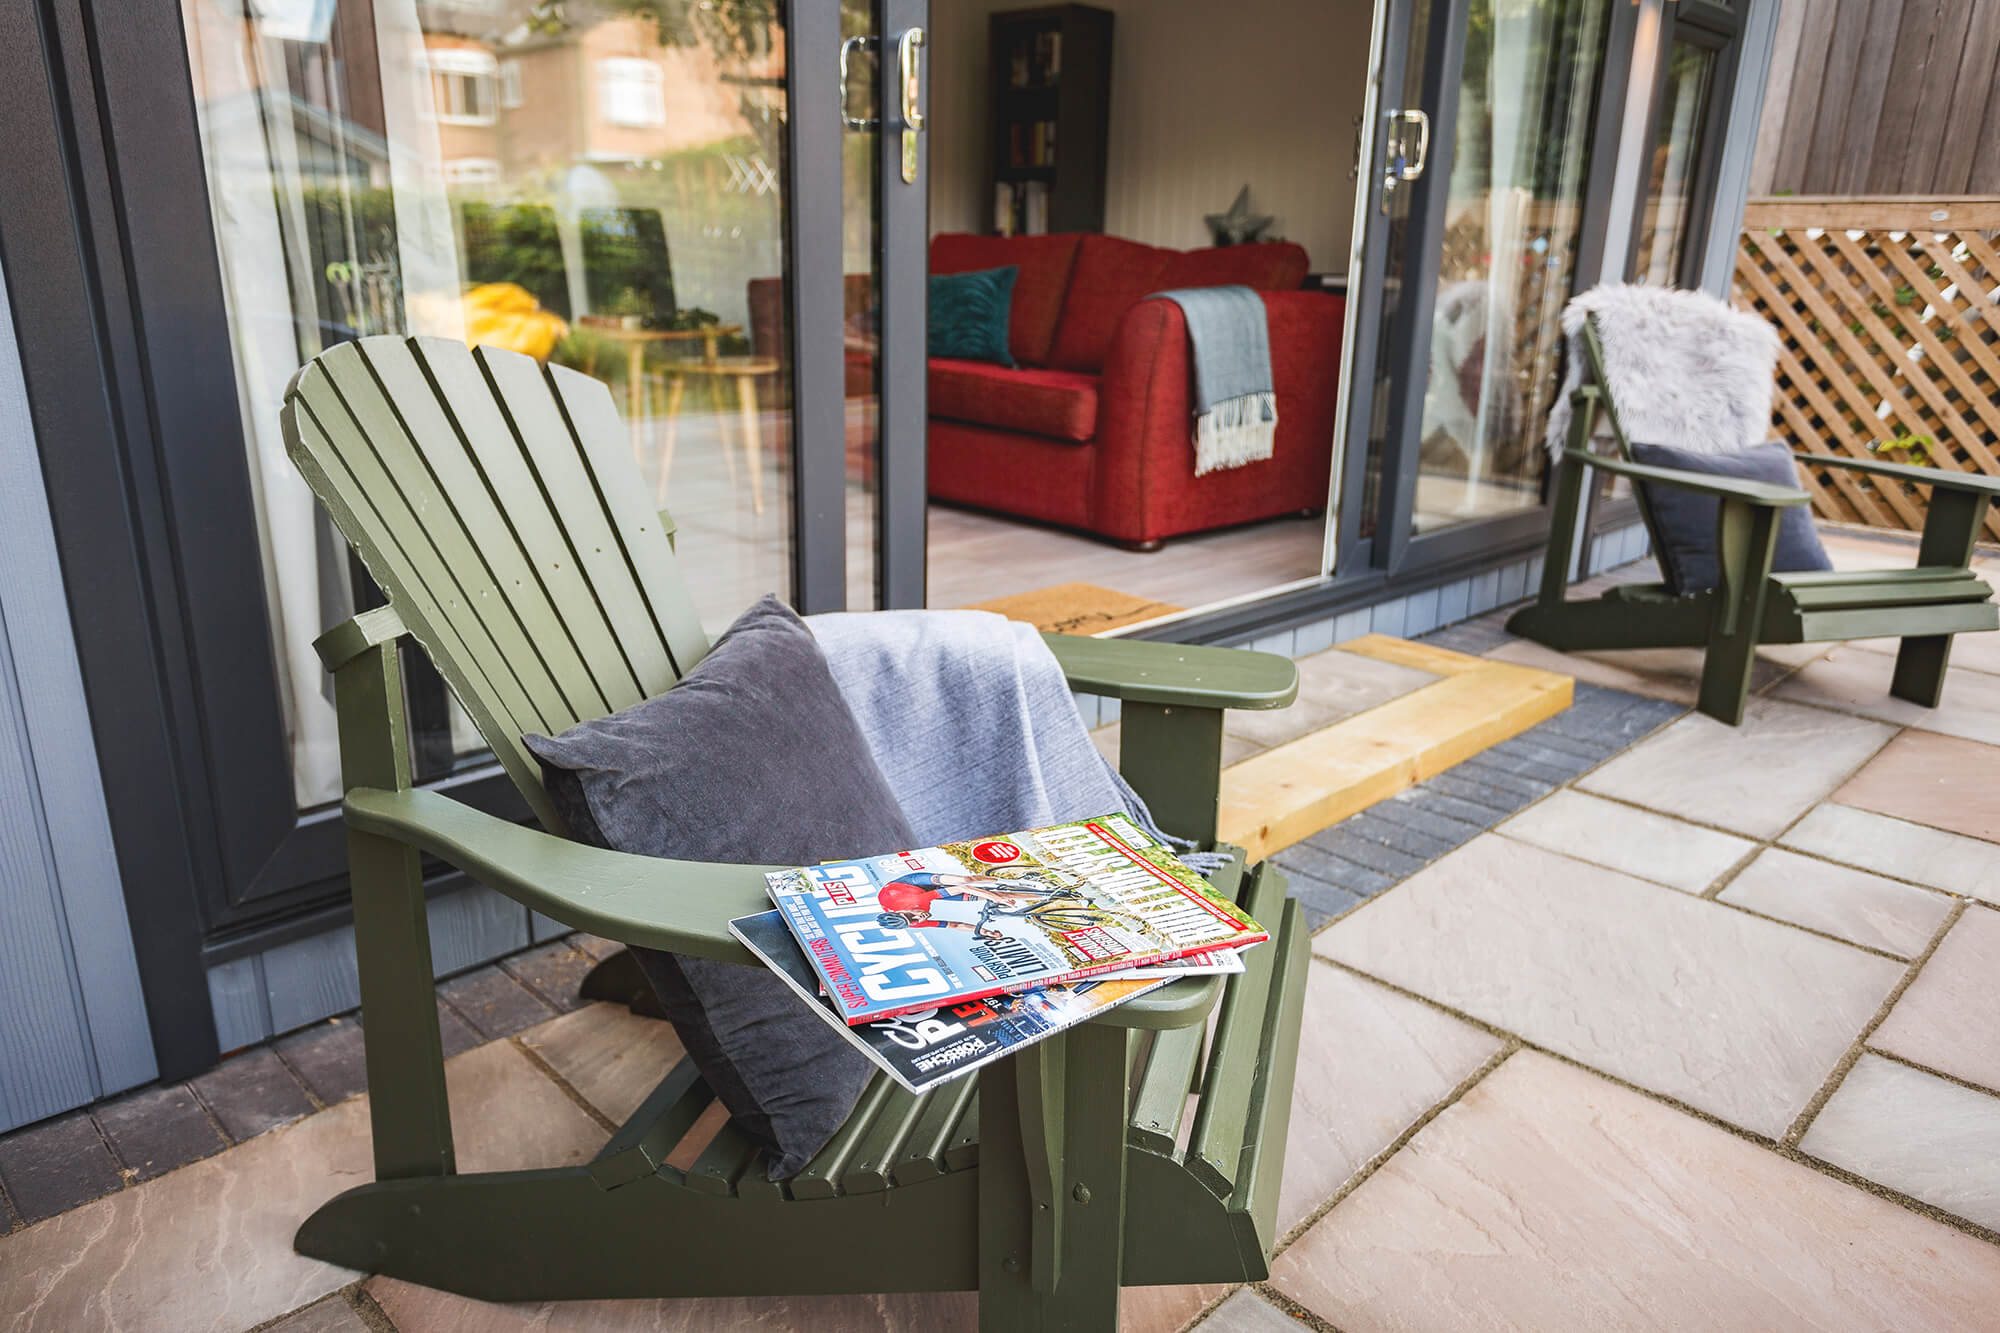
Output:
x=1236 y=431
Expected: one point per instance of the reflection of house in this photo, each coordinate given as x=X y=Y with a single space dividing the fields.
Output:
x=514 y=102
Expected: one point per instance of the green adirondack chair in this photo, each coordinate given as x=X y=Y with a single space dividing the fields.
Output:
x=495 y=503
x=1923 y=606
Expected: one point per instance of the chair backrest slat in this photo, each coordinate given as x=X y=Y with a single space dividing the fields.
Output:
x=494 y=502
x=649 y=557
x=559 y=463
x=1593 y=346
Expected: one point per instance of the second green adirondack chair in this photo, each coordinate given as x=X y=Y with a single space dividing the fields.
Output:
x=495 y=503
x=1923 y=606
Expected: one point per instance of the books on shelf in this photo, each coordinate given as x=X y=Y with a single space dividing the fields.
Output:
x=1031 y=143
x=1036 y=60
x=910 y=931
x=1021 y=209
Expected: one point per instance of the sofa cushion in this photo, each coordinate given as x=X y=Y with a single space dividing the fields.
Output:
x=968 y=314
x=1272 y=266
x=1112 y=275
x=1060 y=404
x=1044 y=263
x=753 y=757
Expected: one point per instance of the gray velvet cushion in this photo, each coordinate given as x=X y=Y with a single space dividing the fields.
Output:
x=752 y=758
x=1685 y=521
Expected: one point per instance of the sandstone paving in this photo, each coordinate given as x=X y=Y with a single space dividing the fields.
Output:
x=209 y=1247
x=1927 y=778
x=1733 y=1015
x=1854 y=905
x=1899 y=849
x=1549 y=1198
x=1918 y=1134
x=1639 y=842
x=1949 y=1018
x=1663 y=673
x=610 y=1055
x=1754 y=779
x=1856 y=681
x=1371 y=1063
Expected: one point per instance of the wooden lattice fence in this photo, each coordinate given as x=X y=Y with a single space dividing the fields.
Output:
x=1891 y=329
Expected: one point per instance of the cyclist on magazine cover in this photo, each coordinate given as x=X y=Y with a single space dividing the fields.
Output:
x=984 y=904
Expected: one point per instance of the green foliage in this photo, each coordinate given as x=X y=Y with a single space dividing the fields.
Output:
x=1917 y=450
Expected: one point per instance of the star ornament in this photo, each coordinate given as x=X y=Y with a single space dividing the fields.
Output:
x=1239 y=226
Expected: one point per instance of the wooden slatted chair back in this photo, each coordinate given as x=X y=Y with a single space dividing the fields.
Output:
x=495 y=502
x=1593 y=348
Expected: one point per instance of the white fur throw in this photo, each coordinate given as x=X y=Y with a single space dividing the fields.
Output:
x=1683 y=368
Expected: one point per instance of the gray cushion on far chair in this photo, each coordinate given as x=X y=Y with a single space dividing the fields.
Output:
x=1685 y=521
x=753 y=758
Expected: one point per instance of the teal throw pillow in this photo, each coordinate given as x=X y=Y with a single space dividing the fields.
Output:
x=969 y=314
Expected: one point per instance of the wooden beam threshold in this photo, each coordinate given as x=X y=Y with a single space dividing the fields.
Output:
x=1292 y=791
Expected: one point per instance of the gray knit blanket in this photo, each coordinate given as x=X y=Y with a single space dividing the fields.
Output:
x=1235 y=401
x=973 y=724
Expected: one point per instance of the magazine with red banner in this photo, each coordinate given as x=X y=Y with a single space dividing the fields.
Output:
x=914 y=930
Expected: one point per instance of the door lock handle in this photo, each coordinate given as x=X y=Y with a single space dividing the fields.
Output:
x=909 y=70
x=1410 y=167
x=847 y=49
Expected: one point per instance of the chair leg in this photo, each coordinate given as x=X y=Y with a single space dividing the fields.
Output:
x=1052 y=1185
x=1746 y=541
x=1920 y=666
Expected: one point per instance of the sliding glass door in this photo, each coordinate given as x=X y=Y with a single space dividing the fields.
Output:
x=1485 y=135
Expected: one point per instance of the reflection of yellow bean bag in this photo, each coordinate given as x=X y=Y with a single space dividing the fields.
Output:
x=505 y=314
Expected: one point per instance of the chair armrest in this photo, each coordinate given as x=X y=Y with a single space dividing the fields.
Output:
x=1921 y=476
x=1178 y=1004
x=1175 y=674
x=685 y=906
x=1723 y=488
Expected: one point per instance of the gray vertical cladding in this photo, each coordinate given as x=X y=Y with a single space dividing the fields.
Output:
x=72 y=1019
x=302 y=981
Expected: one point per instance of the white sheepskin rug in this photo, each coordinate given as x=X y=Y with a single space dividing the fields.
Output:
x=1684 y=368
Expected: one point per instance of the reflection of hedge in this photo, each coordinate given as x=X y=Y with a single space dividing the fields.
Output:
x=350 y=238
x=515 y=243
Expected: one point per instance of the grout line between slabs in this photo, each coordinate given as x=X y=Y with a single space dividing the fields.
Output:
x=568 y=1089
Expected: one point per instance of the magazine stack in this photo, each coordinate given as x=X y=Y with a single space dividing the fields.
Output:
x=937 y=961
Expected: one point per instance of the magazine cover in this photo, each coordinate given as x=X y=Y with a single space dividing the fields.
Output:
x=913 y=930
x=932 y=1046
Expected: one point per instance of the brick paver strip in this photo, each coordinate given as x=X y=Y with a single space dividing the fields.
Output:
x=159 y=1129
x=253 y=1092
x=330 y=1057
x=52 y=1167
x=553 y=971
x=494 y=1003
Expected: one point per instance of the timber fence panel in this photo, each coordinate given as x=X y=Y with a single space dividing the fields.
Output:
x=1887 y=314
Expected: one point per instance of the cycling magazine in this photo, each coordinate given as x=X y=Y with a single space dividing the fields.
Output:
x=895 y=934
x=932 y=1046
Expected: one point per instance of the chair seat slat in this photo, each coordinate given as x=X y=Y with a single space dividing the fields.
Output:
x=875 y=1156
x=924 y=1149
x=525 y=397
x=820 y=1178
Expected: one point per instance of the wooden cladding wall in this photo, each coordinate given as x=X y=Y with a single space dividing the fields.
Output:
x=1887 y=311
x=1882 y=97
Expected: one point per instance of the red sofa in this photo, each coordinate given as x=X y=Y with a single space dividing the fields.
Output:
x=1093 y=428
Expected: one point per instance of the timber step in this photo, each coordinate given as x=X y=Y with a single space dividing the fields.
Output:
x=1286 y=794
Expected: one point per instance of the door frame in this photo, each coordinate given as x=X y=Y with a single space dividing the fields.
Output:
x=108 y=239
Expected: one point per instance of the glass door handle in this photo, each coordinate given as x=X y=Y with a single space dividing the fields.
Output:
x=1409 y=167
x=909 y=77
x=909 y=58
x=859 y=124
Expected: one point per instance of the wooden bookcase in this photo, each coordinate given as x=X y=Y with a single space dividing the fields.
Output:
x=1050 y=75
